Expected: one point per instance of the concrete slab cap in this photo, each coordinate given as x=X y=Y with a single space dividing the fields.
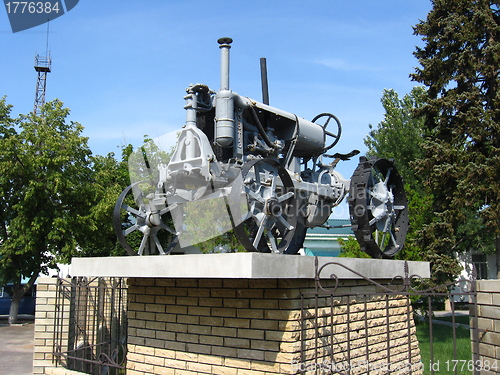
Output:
x=243 y=265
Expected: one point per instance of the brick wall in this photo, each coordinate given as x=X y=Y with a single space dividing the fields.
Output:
x=253 y=326
x=246 y=326
x=488 y=300
x=44 y=325
x=365 y=332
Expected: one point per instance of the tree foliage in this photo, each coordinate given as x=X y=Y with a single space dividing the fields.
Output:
x=459 y=64
x=54 y=196
x=350 y=249
x=109 y=178
x=399 y=135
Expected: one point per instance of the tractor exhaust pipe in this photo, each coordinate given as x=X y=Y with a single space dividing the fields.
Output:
x=224 y=108
x=225 y=45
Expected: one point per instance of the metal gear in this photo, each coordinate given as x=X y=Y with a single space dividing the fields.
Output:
x=273 y=223
x=378 y=208
x=140 y=228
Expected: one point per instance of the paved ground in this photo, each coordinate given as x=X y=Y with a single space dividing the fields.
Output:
x=16 y=349
x=439 y=314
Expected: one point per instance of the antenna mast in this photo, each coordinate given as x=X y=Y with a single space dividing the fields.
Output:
x=42 y=66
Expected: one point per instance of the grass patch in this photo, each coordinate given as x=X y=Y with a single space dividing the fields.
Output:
x=443 y=348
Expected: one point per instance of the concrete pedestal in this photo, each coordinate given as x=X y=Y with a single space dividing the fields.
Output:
x=239 y=266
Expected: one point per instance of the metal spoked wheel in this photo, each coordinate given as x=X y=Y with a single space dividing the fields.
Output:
x=272 y=223
x=378 y=208
x=141 y=222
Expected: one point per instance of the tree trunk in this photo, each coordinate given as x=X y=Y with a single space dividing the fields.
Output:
x=17 y=294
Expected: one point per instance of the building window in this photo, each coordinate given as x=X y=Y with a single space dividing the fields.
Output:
x=479 y=262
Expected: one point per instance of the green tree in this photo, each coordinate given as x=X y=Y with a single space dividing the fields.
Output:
x=350 y=249
x=109 y=178
x=399 y=136
x=459 y=64
x=46 y=194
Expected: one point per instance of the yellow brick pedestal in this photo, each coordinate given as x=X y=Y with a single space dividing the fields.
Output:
x=252 y=326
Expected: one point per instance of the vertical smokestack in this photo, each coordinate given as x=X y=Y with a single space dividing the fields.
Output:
x=224 y=108
x=263 y=79
x=225 y=45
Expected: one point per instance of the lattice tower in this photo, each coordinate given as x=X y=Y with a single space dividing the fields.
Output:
x=42 y=66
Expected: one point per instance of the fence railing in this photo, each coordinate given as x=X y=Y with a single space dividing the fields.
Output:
x=90 y=325
x=388 y=326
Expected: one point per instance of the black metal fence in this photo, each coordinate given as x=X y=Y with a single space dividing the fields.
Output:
x=370 y=327
x=90 y=325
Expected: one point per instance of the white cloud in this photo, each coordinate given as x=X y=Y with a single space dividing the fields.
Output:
x=343 y=65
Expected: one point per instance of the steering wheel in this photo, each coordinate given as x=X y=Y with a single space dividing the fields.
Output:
x=325 y=119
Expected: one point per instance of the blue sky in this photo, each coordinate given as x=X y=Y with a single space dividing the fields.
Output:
x=122 y=66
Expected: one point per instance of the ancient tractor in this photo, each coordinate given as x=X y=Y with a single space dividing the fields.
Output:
x=242 y=168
